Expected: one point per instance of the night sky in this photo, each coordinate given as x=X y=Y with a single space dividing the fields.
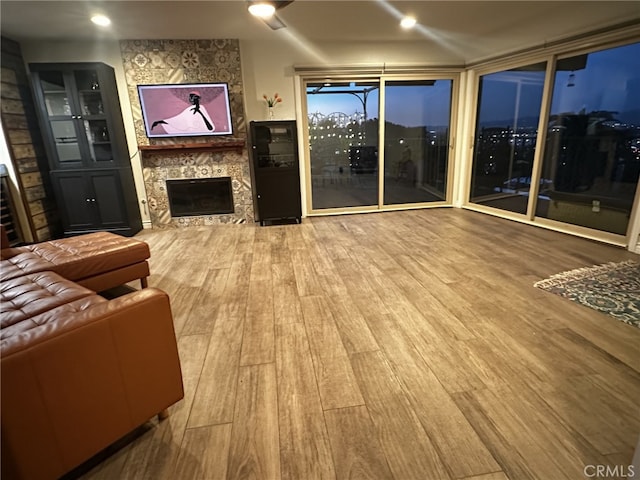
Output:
x=610 y=81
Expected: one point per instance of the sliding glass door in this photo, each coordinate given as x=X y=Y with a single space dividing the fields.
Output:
x=592 y=154
x=588 y=156
x=350 y=171
x=343 y=143
x=506 y=133
x=416 y=141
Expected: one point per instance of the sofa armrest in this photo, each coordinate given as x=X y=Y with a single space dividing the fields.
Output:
x=76 y=384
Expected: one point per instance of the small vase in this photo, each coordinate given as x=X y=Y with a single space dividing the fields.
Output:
x=271 y=114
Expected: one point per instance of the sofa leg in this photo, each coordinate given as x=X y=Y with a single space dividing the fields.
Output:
x=163 y=415
x=143 y=282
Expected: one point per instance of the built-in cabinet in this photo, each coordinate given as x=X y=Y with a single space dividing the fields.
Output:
x=81 y=122
x=276 y=171
x=92 y=198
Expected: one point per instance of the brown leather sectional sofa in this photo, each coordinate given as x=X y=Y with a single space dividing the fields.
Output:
x=79 y=371
x=98 y=261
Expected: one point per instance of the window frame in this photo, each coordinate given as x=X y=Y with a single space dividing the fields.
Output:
x=454 y=75
x=555 y=54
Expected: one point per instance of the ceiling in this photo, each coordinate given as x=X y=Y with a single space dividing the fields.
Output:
x=481 y=28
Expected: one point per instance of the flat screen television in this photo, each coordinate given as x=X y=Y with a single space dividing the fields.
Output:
x=186 y=109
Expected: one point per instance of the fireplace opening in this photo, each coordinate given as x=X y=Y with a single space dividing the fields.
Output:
x=200 y=196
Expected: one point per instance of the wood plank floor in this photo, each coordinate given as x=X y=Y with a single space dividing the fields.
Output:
x=406 y=345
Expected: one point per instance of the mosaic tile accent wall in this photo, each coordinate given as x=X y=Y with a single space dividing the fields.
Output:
x=189 y=61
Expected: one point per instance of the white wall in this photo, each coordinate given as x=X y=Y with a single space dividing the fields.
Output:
x=267 y=66
x=14 y=187
x=266 y=69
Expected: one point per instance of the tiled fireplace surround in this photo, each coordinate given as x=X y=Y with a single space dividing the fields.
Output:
x=157 y=168
x=189 y=61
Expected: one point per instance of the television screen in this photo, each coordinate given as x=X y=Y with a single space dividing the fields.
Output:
x=185 y=110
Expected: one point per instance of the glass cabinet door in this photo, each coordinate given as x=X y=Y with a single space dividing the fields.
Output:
x=274 y=146
x=76 y=115
x=62 y=120
x=94 y=121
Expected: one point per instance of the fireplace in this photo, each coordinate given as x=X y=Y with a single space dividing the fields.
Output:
x=200 y=196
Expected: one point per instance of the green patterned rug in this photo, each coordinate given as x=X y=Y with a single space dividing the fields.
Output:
x=612 y=288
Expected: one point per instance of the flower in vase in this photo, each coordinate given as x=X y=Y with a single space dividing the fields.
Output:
x=272 y=101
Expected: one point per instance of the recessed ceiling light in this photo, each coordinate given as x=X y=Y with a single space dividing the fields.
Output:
x=408 y=22
x=101 y=20
x=262 y=10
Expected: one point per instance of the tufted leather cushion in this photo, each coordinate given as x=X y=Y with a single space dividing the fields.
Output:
x=22 y=263
x=29 y=295
x=74 y=258
x=25 y=327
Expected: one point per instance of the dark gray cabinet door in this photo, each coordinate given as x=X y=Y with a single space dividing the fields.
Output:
x=91 y=200
x=278 y=193
x=74 y=201
x=108 y=199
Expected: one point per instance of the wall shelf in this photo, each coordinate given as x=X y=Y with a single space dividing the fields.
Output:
x=235 y=145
